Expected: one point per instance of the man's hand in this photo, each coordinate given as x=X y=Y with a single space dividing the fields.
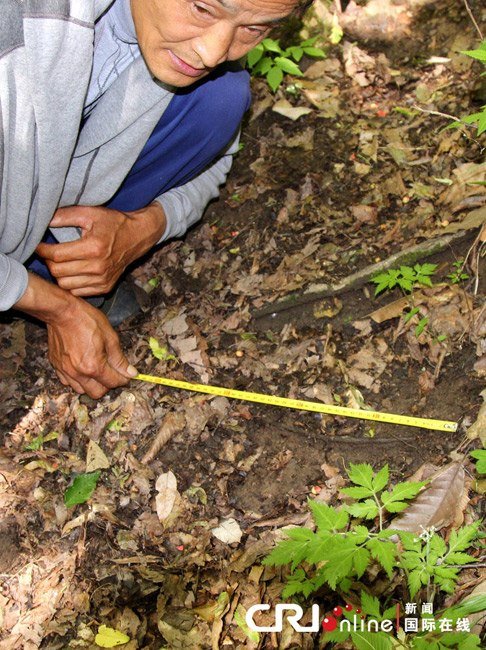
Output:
x=110 y=241
x=83 y=347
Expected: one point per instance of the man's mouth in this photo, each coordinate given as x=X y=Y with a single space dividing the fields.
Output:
x=186 y=68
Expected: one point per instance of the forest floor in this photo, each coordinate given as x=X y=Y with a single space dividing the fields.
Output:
x=369 y=171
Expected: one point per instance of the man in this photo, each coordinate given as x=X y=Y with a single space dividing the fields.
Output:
x=112 y=115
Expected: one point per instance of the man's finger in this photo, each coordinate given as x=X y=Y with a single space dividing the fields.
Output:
x=93 y=388
x=118 y=361
x=74 y=250
x=76 y=268
x=78 y=281
x=69 y=381
x=77 y=217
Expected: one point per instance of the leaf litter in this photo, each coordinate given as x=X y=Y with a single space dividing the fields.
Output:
x=194 y=491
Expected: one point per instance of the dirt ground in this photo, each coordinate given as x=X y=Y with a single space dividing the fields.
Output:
x=256 y=298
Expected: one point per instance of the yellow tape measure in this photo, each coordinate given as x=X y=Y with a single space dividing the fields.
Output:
x=302 y=405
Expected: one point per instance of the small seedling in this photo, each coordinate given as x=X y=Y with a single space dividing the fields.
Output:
x=405 y=277
x=458 y=274
x=38 y=442
x=480 y=455
x=269 y=60
x=160 y=352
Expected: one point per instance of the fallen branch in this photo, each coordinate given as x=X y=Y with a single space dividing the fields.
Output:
x=318 y=292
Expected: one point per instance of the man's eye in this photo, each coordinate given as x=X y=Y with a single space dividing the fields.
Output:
x=201 y=9
x=256 y=31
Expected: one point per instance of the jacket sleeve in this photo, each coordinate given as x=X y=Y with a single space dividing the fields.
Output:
x=13 y=281
x=184 y=205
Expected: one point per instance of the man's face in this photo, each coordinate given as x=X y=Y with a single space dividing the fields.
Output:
x=183 y=40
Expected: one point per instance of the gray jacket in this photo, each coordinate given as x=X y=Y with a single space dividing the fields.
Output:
x=46 y=50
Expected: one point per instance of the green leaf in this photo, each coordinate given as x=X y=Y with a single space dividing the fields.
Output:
x=425 y=269
x=334 y=637
x=410 y=542
x=397 y=506
x=357 y=492
x=408 y=272
x=425 y=280
x=384 y=552
x=285 y=552
x=364 y=509
x=82 y=488
x=288 y=66
x=422 y=324
x=480 y=55
x=263 y=66
x=339 y=563
x=414 y=582
x=370 y=605
x=462 y=640
x=381 y=479
x=410 y=314
x=315 y=52
x=326 y=517
x=308 y=42
x=254 y=55
x=295 y=52
x=480 y=455
x=406 y=285
x=271 y=45
x=381 y=287
x=107 y=637
x=274 y=78
x=401 y=491
x=159 y=352
x=240 y=619
x=319 y=547
x=361 y=560
x=462 y=538
x=361 y=474
x=470 y=605
x=371 y=641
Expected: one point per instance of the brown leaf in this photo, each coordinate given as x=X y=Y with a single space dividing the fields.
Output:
x=166 y=487
x=171 y=424
x=436 y=505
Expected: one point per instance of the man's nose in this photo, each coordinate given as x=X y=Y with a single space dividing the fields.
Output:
x=213 y=45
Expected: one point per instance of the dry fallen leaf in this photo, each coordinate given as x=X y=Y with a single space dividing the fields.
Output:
x=96 y=457
x=437 y=504
x=285 y=108
x=166 y=487
x=228 y=531
x=478 y=429
x=171 y=424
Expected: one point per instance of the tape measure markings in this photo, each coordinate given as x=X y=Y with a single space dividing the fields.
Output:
x=330 y=409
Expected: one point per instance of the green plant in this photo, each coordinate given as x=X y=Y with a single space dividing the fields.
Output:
x=348 y=546
x=81 y=489
x=479 y=118
x=160 y=352
x=269 y=60
x=458 y=274
x=480 y=455
x=405 y=277
x=349 y=538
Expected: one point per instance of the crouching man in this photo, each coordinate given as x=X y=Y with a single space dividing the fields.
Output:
x=118 y=120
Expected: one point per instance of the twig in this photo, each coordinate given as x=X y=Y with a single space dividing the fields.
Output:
x=438 y=113
x=471 y=16
x=455 y=119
